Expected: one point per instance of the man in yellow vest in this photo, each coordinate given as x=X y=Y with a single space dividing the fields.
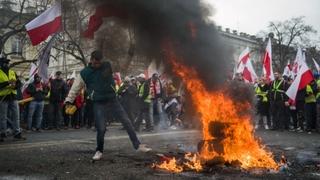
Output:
x=310 y=106
x=277 y=102
x=145 y=105
x=262 y=92
x=8 y=101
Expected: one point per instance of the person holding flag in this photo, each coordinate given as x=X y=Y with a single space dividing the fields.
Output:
x=300 y=87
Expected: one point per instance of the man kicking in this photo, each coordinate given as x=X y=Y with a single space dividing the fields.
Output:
x=98 y=80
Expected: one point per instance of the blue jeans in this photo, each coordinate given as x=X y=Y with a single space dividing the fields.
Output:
x=100 y=110
x=13 y=108
x=35 y=108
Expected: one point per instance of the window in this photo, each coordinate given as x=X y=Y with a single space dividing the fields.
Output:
x=16 y=46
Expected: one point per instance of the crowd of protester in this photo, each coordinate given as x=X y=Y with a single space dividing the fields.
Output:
x=276 y=111
x=151 y=103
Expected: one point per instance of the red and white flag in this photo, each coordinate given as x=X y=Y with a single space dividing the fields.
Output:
x=267 y=62
x=316 y=65
x=287 y=70
x=47 y=23
x=303 y=78
x=297 y=62
x=245 y=67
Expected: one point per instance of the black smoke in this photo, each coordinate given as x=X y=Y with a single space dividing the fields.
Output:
x=185 y=23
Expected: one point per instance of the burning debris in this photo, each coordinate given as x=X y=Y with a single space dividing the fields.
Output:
x=228 y=136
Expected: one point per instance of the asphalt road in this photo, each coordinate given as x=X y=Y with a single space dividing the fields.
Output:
x=67 y=155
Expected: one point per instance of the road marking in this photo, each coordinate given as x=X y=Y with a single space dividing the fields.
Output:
x=88 y=140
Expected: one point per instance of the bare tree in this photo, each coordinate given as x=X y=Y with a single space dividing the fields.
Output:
x=71 y=42
x=288 y=34
x=15 y=15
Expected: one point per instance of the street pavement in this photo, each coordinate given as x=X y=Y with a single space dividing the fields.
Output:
x=67 y=154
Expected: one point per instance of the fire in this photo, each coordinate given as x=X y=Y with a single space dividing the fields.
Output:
x=170 y=165
x=194 y=162
x=223 y=124
x=190 y=161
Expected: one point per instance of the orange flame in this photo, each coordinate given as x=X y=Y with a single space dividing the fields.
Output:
x=171 y=165
x=239 y=143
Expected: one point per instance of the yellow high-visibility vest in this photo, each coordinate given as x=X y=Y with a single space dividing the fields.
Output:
x=318 y=92
x=311 y=98
x=5 y=78
x=261 y=93
x=141 y=92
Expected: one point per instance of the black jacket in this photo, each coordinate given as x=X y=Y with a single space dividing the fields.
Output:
x=37 y=95
x=58 y=90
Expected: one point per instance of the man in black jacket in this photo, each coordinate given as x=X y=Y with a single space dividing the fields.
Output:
x=58 y=92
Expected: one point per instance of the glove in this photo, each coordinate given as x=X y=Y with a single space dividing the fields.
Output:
x=70 y=109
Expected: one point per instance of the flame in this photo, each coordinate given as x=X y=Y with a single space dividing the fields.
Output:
x=238 y=142
x=194 y=162
x=170 y=165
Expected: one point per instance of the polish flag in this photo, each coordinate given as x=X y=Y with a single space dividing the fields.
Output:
x=245 y=67
x=287 y=70
x=316 y=65
x=297 y=62
x=47 y=23
x=267 y=63
x=303 y=78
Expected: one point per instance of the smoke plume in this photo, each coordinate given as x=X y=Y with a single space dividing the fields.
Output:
x=185 y=24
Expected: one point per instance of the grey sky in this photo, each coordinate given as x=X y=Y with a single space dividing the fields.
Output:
x=252 y=16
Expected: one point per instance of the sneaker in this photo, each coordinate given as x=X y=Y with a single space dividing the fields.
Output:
x=256 y=127
x=173 y=127
x=97 y=156
x=19 y=137
x=266 y=127
x=309 y=132
x=38 y=130
x=143 y=148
